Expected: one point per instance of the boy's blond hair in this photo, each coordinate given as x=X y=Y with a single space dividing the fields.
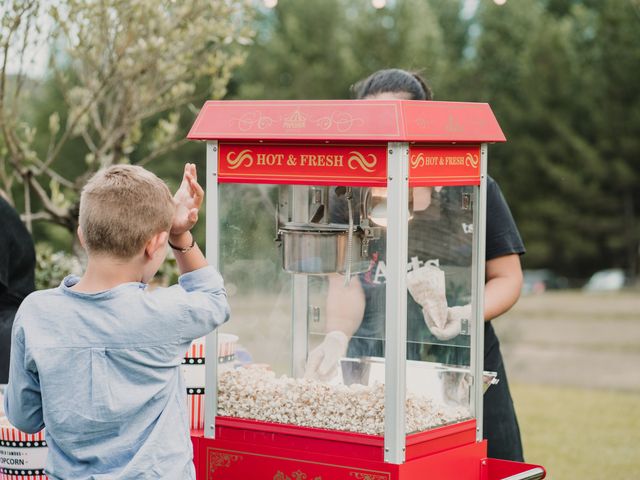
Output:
x=121 y=208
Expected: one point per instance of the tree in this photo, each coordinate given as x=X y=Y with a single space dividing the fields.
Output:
x=121 y=69
x=299 y=53
x=616 y=122
x=317 y=49
x=559 y=76
x=406 y=34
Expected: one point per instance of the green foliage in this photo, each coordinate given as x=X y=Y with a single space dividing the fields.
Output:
x=168 y=273
x=121 y=76
x=560 y=76
x=248 y=252
x=317 y=49
x=561 y=85
x=297 y=56
x=52 y=266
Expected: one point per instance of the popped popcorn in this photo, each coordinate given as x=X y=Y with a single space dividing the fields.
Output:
x=256 y=393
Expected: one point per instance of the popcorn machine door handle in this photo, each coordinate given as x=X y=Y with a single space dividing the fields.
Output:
x=278 y=237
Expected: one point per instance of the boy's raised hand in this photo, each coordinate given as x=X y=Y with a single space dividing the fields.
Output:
x=188 y=199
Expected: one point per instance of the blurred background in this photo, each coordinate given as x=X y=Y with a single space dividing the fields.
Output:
x=86 y=84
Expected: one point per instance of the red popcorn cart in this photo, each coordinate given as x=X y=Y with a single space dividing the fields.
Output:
x=350 y=235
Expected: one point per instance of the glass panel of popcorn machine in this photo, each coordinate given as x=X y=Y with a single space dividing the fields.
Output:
x=347 y=318
x=346 y=323
x=308 y=317
x=289 y=358
x=254 y=346
x=439 y=274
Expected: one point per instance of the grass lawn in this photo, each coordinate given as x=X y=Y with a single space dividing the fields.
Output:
x=580 y=433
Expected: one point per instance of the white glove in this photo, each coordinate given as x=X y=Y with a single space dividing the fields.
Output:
x=427 y=287
x=453 y=324
x=324 y=360
x=456 y=387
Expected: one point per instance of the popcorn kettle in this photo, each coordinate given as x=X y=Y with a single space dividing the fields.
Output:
x=312 y=244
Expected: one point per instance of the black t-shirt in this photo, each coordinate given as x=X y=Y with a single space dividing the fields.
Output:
x=440 y=235
x=502 y=239
x=17 y=258
x=17 y=264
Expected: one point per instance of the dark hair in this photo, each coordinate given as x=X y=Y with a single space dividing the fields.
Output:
x=393 y=80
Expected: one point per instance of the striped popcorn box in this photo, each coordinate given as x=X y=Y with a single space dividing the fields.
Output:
x=227 y=344
x=22 y=456
x=194 y=373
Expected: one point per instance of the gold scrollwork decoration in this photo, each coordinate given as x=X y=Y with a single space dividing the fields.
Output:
x=368 y=476
x=221 y=460
x=297 y=475
x=343 y=121
x=295 y=120
x=249 y=120
x=471 y=160
x=417 y=160
x=362 y=162
x=325 y=123
x=234 y=162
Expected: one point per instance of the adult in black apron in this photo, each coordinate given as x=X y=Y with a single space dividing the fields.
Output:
x=364 y=335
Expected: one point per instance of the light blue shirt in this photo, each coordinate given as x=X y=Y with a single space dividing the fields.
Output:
x=101 y=371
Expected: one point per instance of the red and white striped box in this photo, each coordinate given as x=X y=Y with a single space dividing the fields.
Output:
x=22 y=456
x=194 y=373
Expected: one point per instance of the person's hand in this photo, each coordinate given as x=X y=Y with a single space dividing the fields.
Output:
x=324 y=360
x=427 y=287
x=187 y=200
x=453 y=324
x=456 y=387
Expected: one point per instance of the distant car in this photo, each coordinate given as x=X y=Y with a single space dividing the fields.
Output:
x=609 y=280
x=541 y=280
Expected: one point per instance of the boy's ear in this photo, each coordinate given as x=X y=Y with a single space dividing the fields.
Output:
x=155 y=243
x=81 y=237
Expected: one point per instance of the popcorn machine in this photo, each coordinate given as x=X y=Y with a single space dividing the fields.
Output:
x=351 y=238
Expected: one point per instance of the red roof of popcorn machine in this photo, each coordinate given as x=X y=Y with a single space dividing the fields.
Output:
x=347 y=120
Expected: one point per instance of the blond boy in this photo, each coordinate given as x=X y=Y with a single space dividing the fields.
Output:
x=97 y=360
